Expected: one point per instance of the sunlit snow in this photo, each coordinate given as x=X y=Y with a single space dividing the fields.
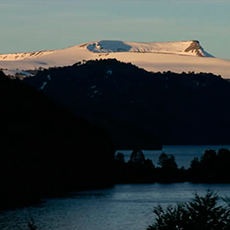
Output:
x=177 y=57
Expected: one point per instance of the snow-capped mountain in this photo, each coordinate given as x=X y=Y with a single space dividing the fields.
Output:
x=183 y=56
x=23 y=56
x=192 y=48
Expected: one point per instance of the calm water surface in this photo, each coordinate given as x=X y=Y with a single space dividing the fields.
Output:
x=122 y=207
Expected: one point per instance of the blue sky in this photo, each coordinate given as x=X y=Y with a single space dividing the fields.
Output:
x=29 y=25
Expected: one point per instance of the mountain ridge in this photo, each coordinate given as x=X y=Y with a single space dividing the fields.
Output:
x=139 y=108
x=192 y=47
x=178 y=57
x=120 y=46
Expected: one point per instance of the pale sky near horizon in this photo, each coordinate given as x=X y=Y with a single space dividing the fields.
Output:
x=31 y=25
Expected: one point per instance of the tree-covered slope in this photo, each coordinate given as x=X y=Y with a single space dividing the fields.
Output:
x=142 y=109
x=44 y=148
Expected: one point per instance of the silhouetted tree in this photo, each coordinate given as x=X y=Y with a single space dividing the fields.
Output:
x=167 y=162
x=222 y=165
x=137 y=157
x=120 y=157
x=136 y=170
x=202 y=213
x=168 y=172
x=211 y=168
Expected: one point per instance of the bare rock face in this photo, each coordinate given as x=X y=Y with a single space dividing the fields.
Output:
x=137 y=156
x=195 y=48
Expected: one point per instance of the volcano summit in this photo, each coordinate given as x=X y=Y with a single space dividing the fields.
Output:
x=182 y=56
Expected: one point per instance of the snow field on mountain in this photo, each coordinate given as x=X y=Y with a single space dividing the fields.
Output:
x=183 y=48
x=166 y=56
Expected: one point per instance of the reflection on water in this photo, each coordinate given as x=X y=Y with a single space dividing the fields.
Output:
x=120 y=208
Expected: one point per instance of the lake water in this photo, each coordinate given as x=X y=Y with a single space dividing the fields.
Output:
x=122 y=207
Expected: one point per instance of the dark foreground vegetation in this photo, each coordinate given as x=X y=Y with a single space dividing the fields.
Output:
x=45 y=149
x=202 y=213
x=212 y=167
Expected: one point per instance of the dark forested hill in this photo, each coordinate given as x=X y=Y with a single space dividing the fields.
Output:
x=142 y=109
x=45 y=148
